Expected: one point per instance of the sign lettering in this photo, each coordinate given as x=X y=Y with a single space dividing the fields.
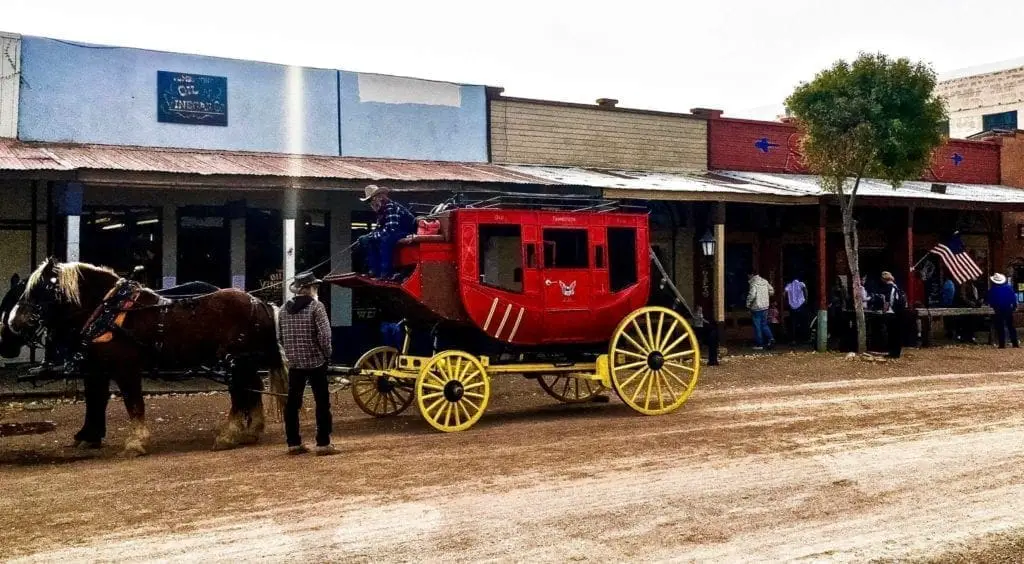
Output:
x=193 y=99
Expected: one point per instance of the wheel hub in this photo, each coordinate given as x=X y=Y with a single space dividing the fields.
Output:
x=385 y=385
x=453 y=391
x=655 y=360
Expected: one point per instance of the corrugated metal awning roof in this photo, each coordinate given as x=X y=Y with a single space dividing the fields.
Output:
x=875 y=188
x=665 y=185
x=33 y=158
x=18 y=156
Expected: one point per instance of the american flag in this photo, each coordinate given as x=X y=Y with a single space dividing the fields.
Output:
x=957 y=261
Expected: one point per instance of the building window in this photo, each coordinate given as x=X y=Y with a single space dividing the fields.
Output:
x=123 y=239
x=501 y=257
x=622 y=263
x=1002 y=120
x=565 y=248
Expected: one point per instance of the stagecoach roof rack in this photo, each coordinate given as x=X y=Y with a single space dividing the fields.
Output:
x=533 y=201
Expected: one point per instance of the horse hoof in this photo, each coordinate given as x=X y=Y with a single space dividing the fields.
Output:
x=134 y=447
x=86 y=445
x=249 y=439
x=221 y=444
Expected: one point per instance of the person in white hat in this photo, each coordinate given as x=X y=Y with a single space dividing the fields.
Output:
x=1003 y=300
x=394 y=222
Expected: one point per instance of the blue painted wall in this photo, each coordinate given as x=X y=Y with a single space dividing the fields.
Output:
x=412 y=119
x=108 y=95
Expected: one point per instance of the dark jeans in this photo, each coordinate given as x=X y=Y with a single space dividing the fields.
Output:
x=380 y=253
x=317 y=378
x=1003 y=320
x=894 y=333
x=798 y=324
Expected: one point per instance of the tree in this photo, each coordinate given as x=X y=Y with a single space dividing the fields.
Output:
x=875 y=118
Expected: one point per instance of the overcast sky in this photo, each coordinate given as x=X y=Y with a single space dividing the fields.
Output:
x=743 y=56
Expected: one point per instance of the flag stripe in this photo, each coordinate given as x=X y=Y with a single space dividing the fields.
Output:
x=960 y=264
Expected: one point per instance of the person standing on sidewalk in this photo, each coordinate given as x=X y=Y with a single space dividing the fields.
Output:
x=306 y=337
x=758 y=299
x=796 y=299
x=893 y=308
x=1004 y=302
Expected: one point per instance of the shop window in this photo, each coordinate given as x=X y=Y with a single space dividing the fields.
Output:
x=123 y=239
x=565 y=248
x=622 y=265
x=501 y=257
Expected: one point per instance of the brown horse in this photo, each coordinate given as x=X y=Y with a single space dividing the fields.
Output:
x=119 y=330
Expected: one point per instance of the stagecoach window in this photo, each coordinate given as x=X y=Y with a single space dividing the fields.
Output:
x=501 y=257
x=565 y=248
x=622 y=265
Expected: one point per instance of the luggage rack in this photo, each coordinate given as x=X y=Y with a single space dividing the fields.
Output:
x=525 y=200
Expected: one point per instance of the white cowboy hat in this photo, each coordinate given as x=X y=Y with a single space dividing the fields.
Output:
x=998 y=279
x=373 y=190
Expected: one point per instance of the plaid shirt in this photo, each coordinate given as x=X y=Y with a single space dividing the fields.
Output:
x=306 y=336
x=393 y=218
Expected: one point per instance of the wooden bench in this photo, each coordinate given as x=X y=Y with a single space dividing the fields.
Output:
x=926 y=315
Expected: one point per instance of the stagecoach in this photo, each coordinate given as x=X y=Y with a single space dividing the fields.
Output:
x=552 y=290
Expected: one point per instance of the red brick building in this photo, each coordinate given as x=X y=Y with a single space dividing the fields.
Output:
x=960 y=190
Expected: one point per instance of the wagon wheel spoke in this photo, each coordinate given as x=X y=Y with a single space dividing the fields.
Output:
x=640 y=386
x=681 y=354
x=633 y=342
x=633 y=377
x=476 y=407
x=661 y=323
x=632 y=365
x=678 y=379
x=650 y=385
x=680 y=366
x=630 y=353
x=433 y=395
x=640 y=334
x=668 y=387
x=675 y=343
x=650 y=331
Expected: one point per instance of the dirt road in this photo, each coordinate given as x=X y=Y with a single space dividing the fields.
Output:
x=804 y=457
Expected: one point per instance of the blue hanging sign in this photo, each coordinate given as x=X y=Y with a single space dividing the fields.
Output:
x=957 y=158
x=193 y=99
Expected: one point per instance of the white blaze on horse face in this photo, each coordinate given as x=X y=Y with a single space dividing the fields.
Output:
x=11 y=316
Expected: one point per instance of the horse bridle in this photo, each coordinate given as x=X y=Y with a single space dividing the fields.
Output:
x=37 y=314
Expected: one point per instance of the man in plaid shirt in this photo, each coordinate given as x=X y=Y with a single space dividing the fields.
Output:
x=394 y=222
x=306 y=337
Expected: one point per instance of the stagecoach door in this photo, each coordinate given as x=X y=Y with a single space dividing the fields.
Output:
x=566 y=284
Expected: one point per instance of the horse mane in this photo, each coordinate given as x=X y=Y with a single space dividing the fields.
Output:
x=68 y=276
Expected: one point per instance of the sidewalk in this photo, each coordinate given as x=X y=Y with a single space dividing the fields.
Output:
x=12 y=389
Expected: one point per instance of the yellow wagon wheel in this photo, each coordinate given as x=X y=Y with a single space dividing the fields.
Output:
x=654 y=360
x=452 y=391
x=380 y=396
x=568 y=389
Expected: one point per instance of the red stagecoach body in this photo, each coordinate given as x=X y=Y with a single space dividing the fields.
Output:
x=524 y=277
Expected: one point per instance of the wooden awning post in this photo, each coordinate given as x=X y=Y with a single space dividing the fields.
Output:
x=822 y=242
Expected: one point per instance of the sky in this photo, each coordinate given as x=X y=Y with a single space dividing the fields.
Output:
x=741 y=56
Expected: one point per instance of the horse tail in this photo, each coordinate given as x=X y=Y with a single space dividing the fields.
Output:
x=278 y=362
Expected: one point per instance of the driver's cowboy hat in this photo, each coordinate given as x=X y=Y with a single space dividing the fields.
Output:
x=304 y=280
x=374 y=190
x=998 y=279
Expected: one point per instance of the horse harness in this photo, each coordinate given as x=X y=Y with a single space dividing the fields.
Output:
x=107 y=320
